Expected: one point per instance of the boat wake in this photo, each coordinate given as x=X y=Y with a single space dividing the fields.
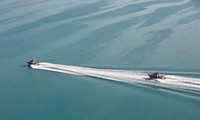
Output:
x=127 y=76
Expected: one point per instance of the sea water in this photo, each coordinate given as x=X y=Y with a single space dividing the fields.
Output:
x=106 y=40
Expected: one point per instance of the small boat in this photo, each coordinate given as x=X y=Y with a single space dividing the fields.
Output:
x=156 y=76
x=32 y=62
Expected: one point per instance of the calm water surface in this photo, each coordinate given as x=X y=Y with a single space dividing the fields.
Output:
x=129 y=34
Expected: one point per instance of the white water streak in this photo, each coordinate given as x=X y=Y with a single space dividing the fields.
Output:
x=127 y=76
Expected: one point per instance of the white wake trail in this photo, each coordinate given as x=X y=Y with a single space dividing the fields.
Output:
x=126 y=76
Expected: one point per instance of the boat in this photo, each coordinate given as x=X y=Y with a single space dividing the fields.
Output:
x=32 y=62
x=156 y=76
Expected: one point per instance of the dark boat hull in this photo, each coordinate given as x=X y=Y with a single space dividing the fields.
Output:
x=32 y=62
x=156 y=77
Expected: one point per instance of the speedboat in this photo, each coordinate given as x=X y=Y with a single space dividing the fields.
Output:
x=156 y=76
x=32 y=62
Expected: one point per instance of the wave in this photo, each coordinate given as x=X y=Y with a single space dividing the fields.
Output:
x=126 y=76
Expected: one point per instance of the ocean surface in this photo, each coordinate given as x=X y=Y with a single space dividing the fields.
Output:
x=94 y=57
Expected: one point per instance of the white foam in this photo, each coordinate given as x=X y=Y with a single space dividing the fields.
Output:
x=127 y=76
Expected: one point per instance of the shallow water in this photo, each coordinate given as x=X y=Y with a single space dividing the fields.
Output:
x=129 y=35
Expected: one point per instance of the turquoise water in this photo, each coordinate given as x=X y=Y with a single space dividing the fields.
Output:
x=145 y=35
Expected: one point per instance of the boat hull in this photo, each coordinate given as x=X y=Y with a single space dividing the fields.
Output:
x=32 y=62
x=156 y=77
